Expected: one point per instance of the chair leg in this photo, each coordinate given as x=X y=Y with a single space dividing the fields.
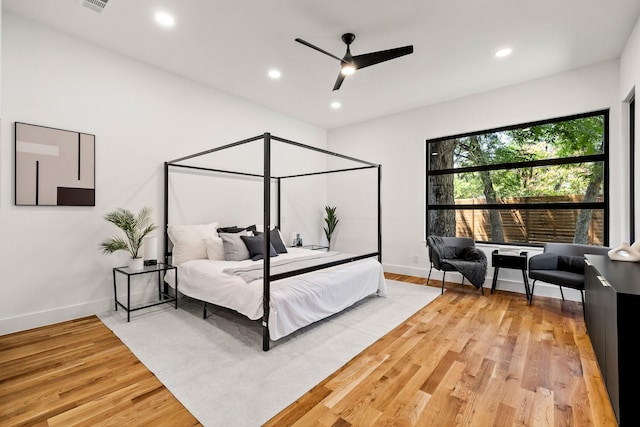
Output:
x=533 y=285
x=561 y=294
x=429 y=275
x=584 y=315
x=444 y=273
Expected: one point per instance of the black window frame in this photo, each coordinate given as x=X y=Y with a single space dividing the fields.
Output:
x=601 y=157
x=632 y=170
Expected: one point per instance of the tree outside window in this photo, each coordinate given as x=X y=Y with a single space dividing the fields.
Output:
x=529 y=183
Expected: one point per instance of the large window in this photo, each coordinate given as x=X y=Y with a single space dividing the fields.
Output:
x=525 y=184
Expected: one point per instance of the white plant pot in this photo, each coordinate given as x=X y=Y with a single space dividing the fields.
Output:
x=136 y=264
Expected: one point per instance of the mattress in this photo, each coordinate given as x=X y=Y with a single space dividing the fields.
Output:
x=295 y=302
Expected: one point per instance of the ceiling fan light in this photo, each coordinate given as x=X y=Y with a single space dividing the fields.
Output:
x=275 y=74
x=165 y=19
x=501 y=53
x=347 y=69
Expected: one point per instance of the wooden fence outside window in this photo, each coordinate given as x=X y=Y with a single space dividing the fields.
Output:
x=530 y=225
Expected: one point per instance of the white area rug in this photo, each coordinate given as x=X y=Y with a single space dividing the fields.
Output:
x=216 y=367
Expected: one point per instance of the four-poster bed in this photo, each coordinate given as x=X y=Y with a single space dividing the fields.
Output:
x=298 y=287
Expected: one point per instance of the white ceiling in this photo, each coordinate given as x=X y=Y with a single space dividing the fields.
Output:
x=230 y=45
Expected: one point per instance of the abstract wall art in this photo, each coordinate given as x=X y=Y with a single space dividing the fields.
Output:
x=54 y=167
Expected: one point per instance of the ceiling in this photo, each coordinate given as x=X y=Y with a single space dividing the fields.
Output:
x=231 y=45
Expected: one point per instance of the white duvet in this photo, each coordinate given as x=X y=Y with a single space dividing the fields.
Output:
x=295 y=301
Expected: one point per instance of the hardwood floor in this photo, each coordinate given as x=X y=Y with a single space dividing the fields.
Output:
x=464 y=359
x=79 y=373
x=467 y=359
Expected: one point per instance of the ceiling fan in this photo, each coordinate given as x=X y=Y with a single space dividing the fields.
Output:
x=349 y=64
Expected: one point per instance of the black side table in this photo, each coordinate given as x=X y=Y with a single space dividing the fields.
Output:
x=516 y=262
x=163 y=295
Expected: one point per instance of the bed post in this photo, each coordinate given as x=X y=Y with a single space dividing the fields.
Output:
x=166 y=213
x=266 y=259
x=379 y=214
x=278 y=192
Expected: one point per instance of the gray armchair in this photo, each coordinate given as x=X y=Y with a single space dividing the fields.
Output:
x=562 y=264
x=457 y=254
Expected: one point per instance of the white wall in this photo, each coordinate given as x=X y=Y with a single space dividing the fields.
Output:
x=141 y=116
x=629 y=78
x=398 y=143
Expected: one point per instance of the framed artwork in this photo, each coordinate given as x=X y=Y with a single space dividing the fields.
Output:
x=54 y=167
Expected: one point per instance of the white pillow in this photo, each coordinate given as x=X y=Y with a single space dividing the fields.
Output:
x=188 y=241
x=215 y=248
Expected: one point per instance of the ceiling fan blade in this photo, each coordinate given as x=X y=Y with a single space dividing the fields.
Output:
x=372 y=58
x=339 y=81
x=318 y=49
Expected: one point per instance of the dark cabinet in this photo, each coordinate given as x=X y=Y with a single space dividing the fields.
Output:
x=612 y=312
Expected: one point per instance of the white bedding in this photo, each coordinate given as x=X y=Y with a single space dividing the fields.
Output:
x=295 y=301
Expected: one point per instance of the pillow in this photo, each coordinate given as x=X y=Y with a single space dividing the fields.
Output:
x=234 y=247
x=276 y=240
x=232 y=229
x=452 y=252
x=473 y=254
x=215 y=248
x=236 y=229
x=254 y=245
x=573 y=264
x=188 y=241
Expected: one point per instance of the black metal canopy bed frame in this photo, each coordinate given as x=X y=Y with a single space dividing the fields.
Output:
x=268 y=181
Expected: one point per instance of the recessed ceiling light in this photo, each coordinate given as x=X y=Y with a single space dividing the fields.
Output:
x=501 y=53
x=275 y=74
x=165 y=19
x=335 y=105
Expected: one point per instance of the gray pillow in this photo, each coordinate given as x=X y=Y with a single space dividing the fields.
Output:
x=234 y=247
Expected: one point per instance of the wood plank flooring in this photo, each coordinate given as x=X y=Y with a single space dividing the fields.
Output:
x=463 y=360
x=467 y=360
x=79 y=373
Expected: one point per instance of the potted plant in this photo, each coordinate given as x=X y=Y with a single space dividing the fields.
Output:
x=331 y=220
x=135 y=228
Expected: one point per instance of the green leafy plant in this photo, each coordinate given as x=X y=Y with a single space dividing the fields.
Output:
x=135 y=228
x=331 y=220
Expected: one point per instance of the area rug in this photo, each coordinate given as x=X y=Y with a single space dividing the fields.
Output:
x=216 y=367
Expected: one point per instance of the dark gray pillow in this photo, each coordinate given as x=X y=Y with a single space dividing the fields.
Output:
x=276 y=240
x=231 y=229
x=451 y=252
x=234 y=247
x=573 y=264
x=254 y=245
x=473 y=254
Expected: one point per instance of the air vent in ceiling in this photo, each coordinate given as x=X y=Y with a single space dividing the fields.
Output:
x=97 y=5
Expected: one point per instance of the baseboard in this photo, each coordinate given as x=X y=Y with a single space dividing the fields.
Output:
x=542 y=289
x=553 y=291
x=62 y=314
x=403 y=269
